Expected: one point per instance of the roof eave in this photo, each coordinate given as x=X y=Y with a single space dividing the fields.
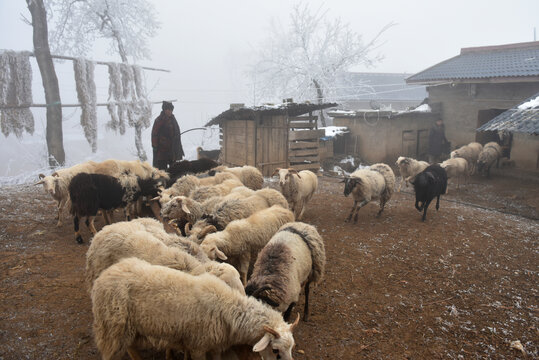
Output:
x=491 y=80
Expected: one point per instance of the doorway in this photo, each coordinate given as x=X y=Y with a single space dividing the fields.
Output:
x=483 y=117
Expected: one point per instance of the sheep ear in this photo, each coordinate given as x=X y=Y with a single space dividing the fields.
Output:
x=275 y=172
x=155 y=198
x=55 y=174
x=39 y=182
x=262 y=343
x=220 y=255
x=41 y=176
x=185 y=208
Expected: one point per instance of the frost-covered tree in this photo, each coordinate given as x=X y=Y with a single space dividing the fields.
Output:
x=76 y=24
x=305 y=59
x=42 y=52
x=128 y=25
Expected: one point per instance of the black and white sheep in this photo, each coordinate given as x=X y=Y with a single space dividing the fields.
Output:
x=57 y=184
x=139 y=305
x=429 y=184
x=376 y=182
x=90 y=193
x=293 y=259
x=297 y=188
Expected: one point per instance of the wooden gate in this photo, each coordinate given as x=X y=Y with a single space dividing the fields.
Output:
x=303 y=143
x=271 y=144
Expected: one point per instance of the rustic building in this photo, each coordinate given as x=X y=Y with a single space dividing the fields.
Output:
x=522 y=121
x=268 y=137
x=383 y=136
x=479 y=84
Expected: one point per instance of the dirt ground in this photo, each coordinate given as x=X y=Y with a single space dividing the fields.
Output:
x=462 y=285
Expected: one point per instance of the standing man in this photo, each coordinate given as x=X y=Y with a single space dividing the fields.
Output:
x=438 y=143
x=166 y=140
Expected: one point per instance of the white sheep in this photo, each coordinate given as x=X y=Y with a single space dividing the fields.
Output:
x=235 y=208
x=203 y=193
x=376 y=182
x=456 y=168
x=408 y=169
x=297 y=188
x=139 y=305
x=293 y=259
x=116 y=242
x=242 y=239
x=492 y=152
x=469 y=152
x=248 y=175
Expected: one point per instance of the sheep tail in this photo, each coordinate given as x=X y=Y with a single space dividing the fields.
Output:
x=389 y=177
x=315 y=243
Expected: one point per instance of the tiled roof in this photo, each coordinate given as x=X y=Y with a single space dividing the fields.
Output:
x=377 y=86
x=523 y=118
x=505 y=61
x=249 y=113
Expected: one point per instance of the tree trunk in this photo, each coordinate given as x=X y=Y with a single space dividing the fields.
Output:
x=42 y=52
x=320 y=98
x=138 y=143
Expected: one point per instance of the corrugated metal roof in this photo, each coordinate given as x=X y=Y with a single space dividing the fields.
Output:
x=514 y=60
x=250 y=113
x=522 y=118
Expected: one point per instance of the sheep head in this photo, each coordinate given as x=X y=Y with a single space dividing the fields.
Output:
x=349 y=184
x=277 y=342
x=212 y=251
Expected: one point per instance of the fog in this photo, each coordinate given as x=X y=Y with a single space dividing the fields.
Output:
x=208 y=45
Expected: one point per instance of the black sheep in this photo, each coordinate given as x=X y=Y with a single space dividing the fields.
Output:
x=429 y=184
x=208 y=154
x=92 y=192
x=184 y=167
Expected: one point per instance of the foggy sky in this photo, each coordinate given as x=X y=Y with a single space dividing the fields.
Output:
x=208 y=50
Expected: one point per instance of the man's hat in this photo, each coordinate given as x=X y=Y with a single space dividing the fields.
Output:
x=167 y=106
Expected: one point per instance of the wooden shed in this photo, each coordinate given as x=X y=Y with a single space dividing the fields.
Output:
x=271 y=136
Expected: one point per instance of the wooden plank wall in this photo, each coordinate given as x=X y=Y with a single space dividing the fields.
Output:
x=271 y=144
x=303 y=143
x=238 y=142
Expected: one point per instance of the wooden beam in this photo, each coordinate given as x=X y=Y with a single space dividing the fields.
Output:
x=306 y=134
x=303 y=152
x=298 y=159
x=313 y=166
x=303 y=144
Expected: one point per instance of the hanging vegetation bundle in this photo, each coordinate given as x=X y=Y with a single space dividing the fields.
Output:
x=15 y=93
x=84 y=80
x=117 y=110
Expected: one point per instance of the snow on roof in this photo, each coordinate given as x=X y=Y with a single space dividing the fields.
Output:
x=422 y=108
x=332 y=131
x=533 y=103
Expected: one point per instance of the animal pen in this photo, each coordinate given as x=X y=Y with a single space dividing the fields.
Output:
x=268 y=137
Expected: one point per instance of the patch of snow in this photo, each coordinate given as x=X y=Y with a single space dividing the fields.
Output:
x=422 y=108
x=332 y=131
x=533 y=103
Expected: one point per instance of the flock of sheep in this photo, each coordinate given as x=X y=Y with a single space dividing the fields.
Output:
x=221 y=268
x=217 y=275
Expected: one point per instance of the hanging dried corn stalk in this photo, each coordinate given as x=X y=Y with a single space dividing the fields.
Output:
x=15 y=93
x=84 y=79
x=117 y=109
